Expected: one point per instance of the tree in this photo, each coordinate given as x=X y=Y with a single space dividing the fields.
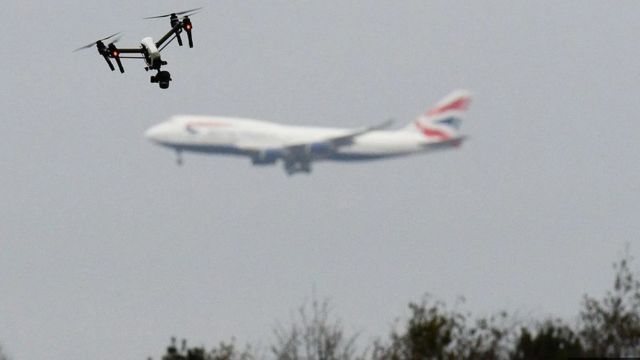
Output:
x=489 y=338
x=434 y=332
x=228 y=351
x=608 y=327
x=224 y=351
x=2 y=355
x=428 y=334
x=553 y=340
x=611 y=326
x=314 y=336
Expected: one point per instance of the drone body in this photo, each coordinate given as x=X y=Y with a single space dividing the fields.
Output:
x=149 y=50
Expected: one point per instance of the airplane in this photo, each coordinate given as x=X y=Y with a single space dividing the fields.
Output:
x=266 y=143
x=149 y=50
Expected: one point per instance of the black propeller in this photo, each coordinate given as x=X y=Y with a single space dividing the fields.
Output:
x=99 y=41
x=186 y=12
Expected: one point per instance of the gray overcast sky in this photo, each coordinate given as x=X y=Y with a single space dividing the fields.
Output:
x=107 y=248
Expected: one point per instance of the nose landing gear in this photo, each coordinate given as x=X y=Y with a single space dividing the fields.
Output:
x=179 y=160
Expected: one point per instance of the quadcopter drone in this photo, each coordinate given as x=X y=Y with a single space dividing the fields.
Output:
x=148 y=50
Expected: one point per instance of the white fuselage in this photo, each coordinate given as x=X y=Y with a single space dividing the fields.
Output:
x=298 y=146
x=226 y=135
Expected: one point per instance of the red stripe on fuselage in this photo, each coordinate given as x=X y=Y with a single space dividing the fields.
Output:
x=432 y=133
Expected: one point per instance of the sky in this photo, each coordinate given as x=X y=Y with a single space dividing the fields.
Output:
x=107 y=248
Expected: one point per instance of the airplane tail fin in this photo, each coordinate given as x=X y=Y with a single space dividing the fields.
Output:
x=443 y=121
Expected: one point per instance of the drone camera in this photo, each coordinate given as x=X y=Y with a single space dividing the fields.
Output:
x=163 y=78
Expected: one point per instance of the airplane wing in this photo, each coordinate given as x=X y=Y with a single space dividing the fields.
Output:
x=320 y=147
x=307 y=151
x=298 y=157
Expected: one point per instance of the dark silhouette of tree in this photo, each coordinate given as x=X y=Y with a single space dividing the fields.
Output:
x=229 y=351
x=608 y=327
x=428 y=334
x=3 y=356
x=488 y=338
x=611 y=326
x=553 y=340
x=434 y=332
x=224 y=351
x=314 y=336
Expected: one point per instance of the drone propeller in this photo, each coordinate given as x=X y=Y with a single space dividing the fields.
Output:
x=186 y=13
x=97 y=41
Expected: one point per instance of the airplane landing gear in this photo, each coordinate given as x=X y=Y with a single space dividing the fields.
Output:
x=292 y=167
x=179 y=161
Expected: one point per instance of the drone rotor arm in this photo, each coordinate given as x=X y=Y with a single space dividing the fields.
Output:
x=168 y=35
x=130 y=51
x=168 y=42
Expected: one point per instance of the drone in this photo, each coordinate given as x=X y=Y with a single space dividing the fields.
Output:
x=149 y=50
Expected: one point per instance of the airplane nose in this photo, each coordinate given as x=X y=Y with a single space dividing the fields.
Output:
x=154 y=133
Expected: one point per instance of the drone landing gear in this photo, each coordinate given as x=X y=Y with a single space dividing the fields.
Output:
x=163 y=78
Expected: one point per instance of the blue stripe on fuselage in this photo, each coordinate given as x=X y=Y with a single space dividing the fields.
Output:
x=361 y=157
x=336 y=156
x=209 y=149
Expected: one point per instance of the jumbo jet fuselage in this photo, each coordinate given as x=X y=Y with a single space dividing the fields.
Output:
x=298 y=146
x=241 y=136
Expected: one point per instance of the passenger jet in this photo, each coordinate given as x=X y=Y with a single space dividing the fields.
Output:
x=266 y=143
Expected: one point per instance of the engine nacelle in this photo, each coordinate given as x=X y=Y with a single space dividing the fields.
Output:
x=268 y=157
x=320 y=148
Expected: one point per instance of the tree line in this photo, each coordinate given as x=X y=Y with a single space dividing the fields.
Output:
x=605 y=327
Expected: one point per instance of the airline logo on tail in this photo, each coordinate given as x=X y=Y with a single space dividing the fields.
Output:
x=444 y=120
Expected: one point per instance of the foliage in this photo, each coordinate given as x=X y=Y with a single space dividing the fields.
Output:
x=488 y=338
x=611 y=326
x=608 y=327
x=3 y=356
x=314 y=336
x=553 y=340
x=224 y=351
x=434 y=332
x=228 y=351
x=428 y=334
